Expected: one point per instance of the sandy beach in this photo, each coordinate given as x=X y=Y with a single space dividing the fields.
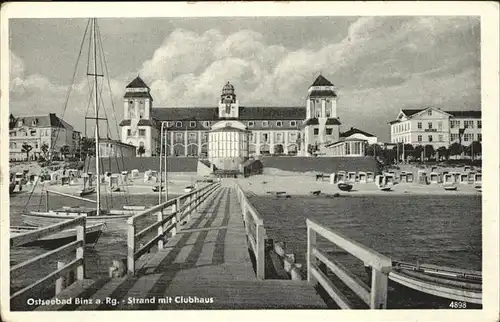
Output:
x=305 y=183
x=176 y=184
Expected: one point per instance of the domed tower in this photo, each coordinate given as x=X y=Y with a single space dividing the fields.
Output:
x=228 y=105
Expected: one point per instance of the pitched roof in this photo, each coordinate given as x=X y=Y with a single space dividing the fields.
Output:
x=461 y=114
x=465 y=114
x=315 y=121
x=321 y=81
x=245 y=113
x=322 y=94
x=272 y=113
x=137 y=83
x=355 y=131
x=42 y=121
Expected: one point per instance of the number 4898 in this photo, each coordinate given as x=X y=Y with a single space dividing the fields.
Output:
x=458 y=305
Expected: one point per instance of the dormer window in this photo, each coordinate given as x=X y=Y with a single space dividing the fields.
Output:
x=293 y=123
x=192 y=124
x=279 y=123
x=206 y=124
x=251 y=124
x=178 y=124
x=34 y=122
x=429 y=112
x=20 y=123
x=265 y=123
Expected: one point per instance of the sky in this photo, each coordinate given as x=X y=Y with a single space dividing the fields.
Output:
x=378 y=65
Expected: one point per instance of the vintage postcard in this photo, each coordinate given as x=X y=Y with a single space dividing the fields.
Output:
x=249 y=158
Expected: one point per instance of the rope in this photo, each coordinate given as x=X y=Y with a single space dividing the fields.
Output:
x=65 y=104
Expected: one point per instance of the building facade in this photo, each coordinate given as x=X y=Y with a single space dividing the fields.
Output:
x=46 y=134
x=271 y=130
x=112 y=148
x=436 y=127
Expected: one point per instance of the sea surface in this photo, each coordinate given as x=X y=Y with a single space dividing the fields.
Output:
x=441 y=230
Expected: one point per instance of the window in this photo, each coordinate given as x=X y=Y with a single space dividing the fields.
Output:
x=468 y=137
x=178 y=135
x=419 y=125
x=192 y=124
x=479 y=136
x=357 y=148
x=265 y=123
x=34 y=122
x=265 y=137
x=328 y=111
x=20 y=123
x=178 y=124
x=347 y=148
x=440 y=138
x=192 y=135
x=329 y=131
x=453 y=137
x=251 y=124
x=429 y=125
x=33 y=132
x=430 y=138
x=440 y=126
x=479 y=124
x=469 y=124
x=206 y=124
x=429 y=112
x=455 y=124
x=279 y=123
x=142 y=132
x=294 y=123
x=316 y=131
x=129 y=132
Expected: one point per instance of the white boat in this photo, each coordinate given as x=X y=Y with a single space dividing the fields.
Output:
x=446 y=282
x=92 y=234
x=96 y=214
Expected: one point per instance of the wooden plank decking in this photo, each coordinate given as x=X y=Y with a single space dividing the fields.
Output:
x=208 y=261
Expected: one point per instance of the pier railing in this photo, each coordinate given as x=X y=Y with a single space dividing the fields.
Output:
x=256 y=233
x=169 y=216
x=64 y=274
x=375 y=297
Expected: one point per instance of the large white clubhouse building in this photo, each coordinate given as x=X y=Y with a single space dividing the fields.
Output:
x=271 y=130
x=436 y=127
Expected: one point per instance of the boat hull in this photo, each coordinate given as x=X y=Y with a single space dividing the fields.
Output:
x=92 y=234
x=49 y=218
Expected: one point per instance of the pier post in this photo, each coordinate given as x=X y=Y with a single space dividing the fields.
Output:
x=60 y=282
x=131 y=247
x=311 y=243
x=190 y=207
x=159 y=218
x=378 y=295
x=176 y=218
x=80 y=251
x=260 y=256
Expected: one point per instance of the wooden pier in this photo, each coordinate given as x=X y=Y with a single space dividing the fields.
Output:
x=202 y=261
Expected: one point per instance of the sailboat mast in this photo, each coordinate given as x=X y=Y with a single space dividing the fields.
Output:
x=96 y=124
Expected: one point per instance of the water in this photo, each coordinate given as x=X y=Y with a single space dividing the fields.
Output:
x=440 y=230
x=111 y=245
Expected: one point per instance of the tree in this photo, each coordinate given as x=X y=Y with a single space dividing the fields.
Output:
x=311 y=149
x=408 y=149
x=417 y=152
x=65 y=151
x=443 y=153
x=87 y=147
x=475 y=149
x=45 y=150
x=26 y=148
x=278 y=149
x=455 y=149
x=141 y=150
x=429 y=151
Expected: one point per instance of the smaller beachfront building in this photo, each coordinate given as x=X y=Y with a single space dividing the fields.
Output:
x=228 y=144
x=346 y=147
x=113 y=148
x=44 y=134
x=436 y=127
x=354 y=133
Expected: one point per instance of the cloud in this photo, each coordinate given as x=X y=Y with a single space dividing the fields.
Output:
x=381 y=64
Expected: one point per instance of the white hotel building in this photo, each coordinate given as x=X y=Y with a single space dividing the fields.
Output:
x=436 y=127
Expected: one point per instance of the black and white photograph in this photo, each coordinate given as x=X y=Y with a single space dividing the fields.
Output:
x=250 y=156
